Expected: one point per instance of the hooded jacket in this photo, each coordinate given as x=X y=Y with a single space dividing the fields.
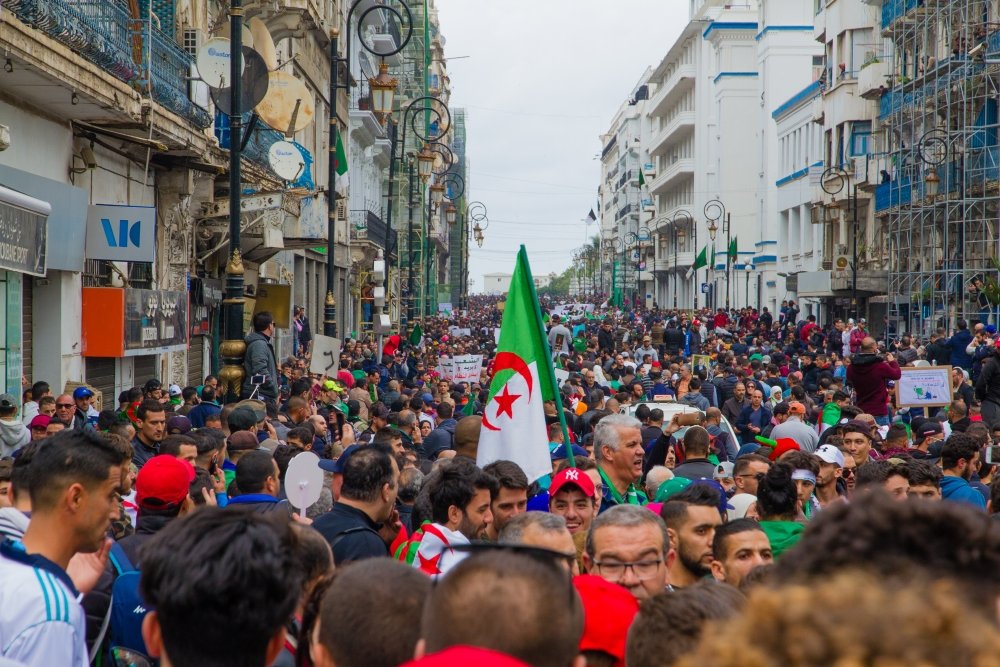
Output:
x=988 y=382
x=13 y=436
x=959 y=490
x=13 y=523
x=695 y=400
x=260 y=360
x=868 y=374
x=783 y=535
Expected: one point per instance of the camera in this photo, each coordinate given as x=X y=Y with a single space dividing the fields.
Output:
x=258 y=379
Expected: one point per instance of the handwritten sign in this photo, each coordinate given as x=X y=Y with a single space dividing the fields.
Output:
x=924 y=387
x=325 y=356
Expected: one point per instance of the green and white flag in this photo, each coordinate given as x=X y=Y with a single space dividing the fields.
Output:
x=514 y=418
x=702 y=259
x=416 y=336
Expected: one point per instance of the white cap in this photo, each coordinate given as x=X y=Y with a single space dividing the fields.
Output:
x=174 y=390
x=723 y=471
x=830 y=454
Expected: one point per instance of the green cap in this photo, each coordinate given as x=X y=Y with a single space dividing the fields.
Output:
x=670 y=487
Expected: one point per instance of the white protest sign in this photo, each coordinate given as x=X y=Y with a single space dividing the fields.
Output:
x=325 y=355
x=924 y=387
x=303 y=481
x=446 y=368
x=561 y=375
x=468 y=367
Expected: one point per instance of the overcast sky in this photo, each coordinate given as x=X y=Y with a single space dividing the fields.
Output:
x=542 y=82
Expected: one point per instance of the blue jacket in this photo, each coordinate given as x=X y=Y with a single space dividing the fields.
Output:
x=743 y=423
x=958 y=343
x=441 y=438
x=958 y=490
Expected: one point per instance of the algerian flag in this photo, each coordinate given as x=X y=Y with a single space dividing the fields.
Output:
x=341 y=156
x=514 y=417
x=713 y=255
x=642 y=179
x=732 y=249
x=470 y=406
x=591 y=217
x=341 y=183
x=702 y=259
x=416 y=336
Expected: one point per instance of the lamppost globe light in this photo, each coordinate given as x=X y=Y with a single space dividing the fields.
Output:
x=931 y=183
x=437 y=193
x=425 y=162
x=383 y=89
x=712 y=229
x=449 y=214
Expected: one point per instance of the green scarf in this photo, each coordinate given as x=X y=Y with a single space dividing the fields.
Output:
x=633 y=495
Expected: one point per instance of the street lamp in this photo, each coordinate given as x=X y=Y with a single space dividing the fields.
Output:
x=383 y=89
x=932 y=182
x=833 y=182
x=477 y=232
x=449 y=214
x=437 y=193
x=749 y=269
x=715 y=211
x=675 y=220
x=425 y=162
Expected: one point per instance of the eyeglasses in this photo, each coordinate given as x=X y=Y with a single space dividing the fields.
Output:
x=756 y=475
x=847 y=472
x=64 y=405
x=643 y=569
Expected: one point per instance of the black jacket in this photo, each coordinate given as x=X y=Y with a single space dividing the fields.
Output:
x=606 y=340
x=673 y=340
x=351 y=533
x=988 y=384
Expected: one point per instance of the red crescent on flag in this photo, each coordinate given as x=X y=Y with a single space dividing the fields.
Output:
x=505 y=360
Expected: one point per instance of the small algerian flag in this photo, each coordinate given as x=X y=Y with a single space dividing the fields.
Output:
x=732 y=248
x=642 y=179
x=591 y=217
x=702 y=259
x=416 y=336
x=514 y=416
x=470 y=406
x=341 y=155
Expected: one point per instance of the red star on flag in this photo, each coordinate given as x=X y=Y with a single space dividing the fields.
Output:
x=505 y=402
x=429 y=565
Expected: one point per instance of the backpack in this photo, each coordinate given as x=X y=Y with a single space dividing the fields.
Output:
x=127 y=609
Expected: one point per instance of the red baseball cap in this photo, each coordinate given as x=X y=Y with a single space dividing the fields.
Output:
x=573 y=476
x=461 y=656
x=785 y=445
x=163 y=482
x=40 y=421
x=608 y=611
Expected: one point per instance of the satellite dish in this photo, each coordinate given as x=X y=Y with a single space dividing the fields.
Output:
x=303 y=481
x=254 y=89
x=247 y=35
x=213 y=62
x=263 y=43
x=286 y=160
x=288 y=105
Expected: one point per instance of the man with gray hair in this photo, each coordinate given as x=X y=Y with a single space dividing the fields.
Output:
x=542 y=530
x=410 y=481
x=629 y=546
x=656 y=476
x=619 y=453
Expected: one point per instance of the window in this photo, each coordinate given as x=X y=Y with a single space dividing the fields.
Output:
x=191 y=41
x=861 y=138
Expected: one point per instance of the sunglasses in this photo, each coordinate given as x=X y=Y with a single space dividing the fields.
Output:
x=847 y=473
x=64 y=405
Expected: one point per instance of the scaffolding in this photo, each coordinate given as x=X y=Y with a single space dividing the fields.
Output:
x=939 y=185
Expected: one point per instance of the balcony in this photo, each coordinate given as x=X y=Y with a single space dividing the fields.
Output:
x=873 y=79
x=288 y=18
x=680 y=126
x=893 y=10
x=682 y=262
x=368 y=128
x=678 y=83
x=819 y=26
x=368 y=227
x=257 y=147
x=818 y=110
x=127 y=48
x=674 y=173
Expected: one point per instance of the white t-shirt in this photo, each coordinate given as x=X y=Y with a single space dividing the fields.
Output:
x=41 y=621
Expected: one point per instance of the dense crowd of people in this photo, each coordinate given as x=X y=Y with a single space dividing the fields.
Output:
x=745 y=472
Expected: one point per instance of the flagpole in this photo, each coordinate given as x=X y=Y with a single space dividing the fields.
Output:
x=548 y=369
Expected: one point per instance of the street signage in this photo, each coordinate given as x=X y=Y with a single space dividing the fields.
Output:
x=121 y=233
